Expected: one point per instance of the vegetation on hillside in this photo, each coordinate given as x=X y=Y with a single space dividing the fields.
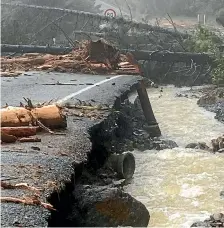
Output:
x=206 y=41
x=22 y=25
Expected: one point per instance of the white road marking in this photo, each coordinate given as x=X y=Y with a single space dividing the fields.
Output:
x=86 y=88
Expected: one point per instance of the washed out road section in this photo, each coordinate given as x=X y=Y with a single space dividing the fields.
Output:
x=50 y=164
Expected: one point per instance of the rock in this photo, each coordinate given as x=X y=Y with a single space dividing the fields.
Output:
x=170 y=144
x=200 y=224
x=215 y=220
x=218 y=216
x=219 y=110
x=213 y=101
x=194 y=96
x=191 y=145
x=160 y=144
x=101 y=206
x=222 y=194
x=153 y=130
x=221 y=150
x=207 y=99
x=179 y=95
x=218 y=144
x=202 y=146
x=199 y=145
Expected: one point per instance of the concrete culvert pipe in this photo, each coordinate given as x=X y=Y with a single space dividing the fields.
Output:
x=123 y=164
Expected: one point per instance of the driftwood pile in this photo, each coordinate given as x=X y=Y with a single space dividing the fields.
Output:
x=97 y=57
x=23 y=123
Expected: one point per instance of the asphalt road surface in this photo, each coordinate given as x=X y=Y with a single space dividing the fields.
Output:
x=50 y=163
x=43 y=86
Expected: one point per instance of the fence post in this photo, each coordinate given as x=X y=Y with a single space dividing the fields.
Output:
x=204 y=19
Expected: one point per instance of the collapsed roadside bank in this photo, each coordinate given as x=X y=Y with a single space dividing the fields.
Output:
x=65 y=164
x=213 y=101
x=98 y=198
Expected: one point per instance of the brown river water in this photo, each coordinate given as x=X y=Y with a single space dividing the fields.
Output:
x=180 y=186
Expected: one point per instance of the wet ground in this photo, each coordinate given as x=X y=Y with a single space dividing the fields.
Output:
x=50 y=164
x=42 y=86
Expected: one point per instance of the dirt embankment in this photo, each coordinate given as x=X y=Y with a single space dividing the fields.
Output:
x=97 y=198
x=213 y=101
x=211 y=98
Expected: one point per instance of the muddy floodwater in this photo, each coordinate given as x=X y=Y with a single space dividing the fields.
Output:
x=180 y=186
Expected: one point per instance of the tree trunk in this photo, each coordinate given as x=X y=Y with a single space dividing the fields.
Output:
x=35 y=49
x=163 y=56
x=20 y=131
x=7 y=138
x=50 y=116
x=15 y=117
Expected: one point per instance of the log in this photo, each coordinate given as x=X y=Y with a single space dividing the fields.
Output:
x=35 y=49
x=29 y=140
x=10 y=74
x=7 y=138
x=20 y=131
x=50 y=116
x=15 y=117
x=163 y=56
x=32 y=61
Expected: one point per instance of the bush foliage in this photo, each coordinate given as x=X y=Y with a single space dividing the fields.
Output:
x=207 y=41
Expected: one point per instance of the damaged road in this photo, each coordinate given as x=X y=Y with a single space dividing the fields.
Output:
x=55 y=165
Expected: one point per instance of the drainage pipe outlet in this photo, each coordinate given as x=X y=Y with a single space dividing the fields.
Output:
x=123 y=164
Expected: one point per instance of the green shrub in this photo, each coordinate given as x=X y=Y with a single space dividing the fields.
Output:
x=206 y=41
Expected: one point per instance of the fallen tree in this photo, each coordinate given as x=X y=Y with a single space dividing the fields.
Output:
x=35 y=49
x=92 y=57
x=160 y=56
x=20 y=131
x=166 y=56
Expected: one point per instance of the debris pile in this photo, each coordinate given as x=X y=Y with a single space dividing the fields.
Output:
x=28 y=200
x=93 y=57
x=87 y=110
x=22 y=124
